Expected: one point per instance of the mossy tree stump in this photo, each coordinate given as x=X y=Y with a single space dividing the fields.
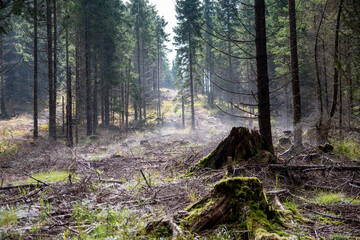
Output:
x=241 y=144
x=237 y=202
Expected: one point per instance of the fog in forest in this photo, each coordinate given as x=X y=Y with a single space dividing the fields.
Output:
x=179 y=119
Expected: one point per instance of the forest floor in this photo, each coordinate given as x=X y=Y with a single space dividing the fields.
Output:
x=111 y=185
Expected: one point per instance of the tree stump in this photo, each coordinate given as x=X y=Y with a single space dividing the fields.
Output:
x=241 y=144
x=236 y=202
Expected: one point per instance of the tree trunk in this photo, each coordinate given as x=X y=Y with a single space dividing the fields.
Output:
x=337 y=66
x=52 y=117
x=295 y=75
x=77 y=87
x=191 y=84
x=36 y=129
x=55 y=64
x=69 y=135
x=95 y=98
x=158 y=81
x=87 y=74
x=318 y=80
x=262 y=74
x=325 y=79
x=183 y=111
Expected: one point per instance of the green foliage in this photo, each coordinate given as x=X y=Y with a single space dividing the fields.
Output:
x=107 y=222
x=48 y=177
x=7 y=148
x=349 y=148
x=326 y=198
x=290 y=205
x=338 y=236
x=7 y=216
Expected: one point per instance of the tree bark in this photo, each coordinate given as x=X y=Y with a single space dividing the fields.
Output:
x=52 y=109
x=77 y=87
x=87 y=73
x=35 y=97
x=95 y=97
x=262 y=74
x=69 y=134
x=318 y=80
x=295 y=74
x=191 y=83
x=55 y=65
x=337 y=66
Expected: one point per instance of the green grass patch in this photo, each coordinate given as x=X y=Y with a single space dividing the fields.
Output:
x=326 y=198
x=48 y=177
x=338 y=236
x=350 y=149
x=7 y=216
x=107 y=222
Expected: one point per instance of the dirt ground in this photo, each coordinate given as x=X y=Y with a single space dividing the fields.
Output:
x=138 y=178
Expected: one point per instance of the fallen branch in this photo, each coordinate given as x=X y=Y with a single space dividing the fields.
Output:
x=314 y=167
x=177 y=232
x=145 y=179
x=334 y=217
x=20 y=186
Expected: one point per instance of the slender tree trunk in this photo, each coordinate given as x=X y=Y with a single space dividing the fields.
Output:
x=87 y=74
x=337 y=66
x=69 y=135
x=158 y=81
x=63 y=111
x=191 y=84
x=36 y=129
x=138 y=87
x=295 y=75
x=183 y=111
x=95 y=97
x=52 y=109
x=55 y=63
x=77 y=87
x=325 y=79
x=127 y=95
x=262 y=74
x=318 y=80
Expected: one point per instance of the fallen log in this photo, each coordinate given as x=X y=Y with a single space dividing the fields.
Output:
x=314 y=167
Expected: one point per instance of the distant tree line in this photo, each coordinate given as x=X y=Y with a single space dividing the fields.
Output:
x=102 y=57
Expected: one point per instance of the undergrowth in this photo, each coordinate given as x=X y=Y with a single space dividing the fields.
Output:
x=349 y=148
x=7 y=148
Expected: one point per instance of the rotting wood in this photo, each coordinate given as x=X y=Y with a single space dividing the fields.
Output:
x=241 y=145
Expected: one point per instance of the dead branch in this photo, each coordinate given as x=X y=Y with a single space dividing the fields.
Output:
x=314 y=167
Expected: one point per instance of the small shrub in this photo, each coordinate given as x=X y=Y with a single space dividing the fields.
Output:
x=8 y=148
x=44 y=127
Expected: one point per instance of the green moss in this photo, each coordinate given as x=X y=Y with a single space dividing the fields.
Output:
x=246 y=207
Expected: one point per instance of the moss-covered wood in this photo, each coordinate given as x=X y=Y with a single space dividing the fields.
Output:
x=241 y=144
x=239 y=203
